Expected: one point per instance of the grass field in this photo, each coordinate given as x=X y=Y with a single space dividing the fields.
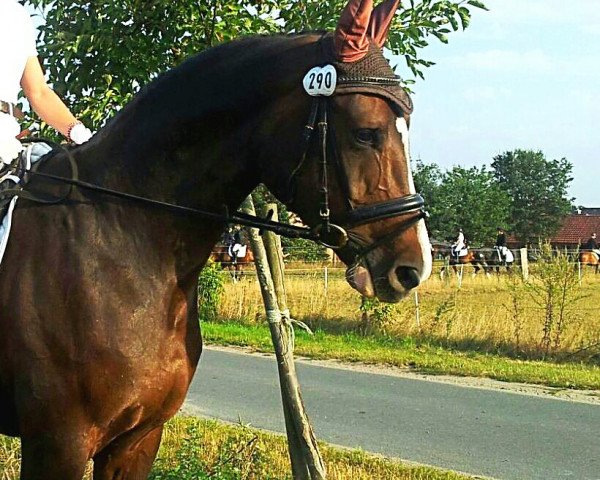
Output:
x=487 y=315
x=196 y=449
x=496 y=327
x=406 y=353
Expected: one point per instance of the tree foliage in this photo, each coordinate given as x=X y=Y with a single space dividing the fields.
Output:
x=537 y=188
x=99 y=53
x=467 y=198
x=522 y=192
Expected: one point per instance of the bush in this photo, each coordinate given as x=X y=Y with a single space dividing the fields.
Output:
x=210 y=291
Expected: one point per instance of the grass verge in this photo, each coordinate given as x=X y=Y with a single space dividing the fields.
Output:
x=421 y=357
x=201 y=449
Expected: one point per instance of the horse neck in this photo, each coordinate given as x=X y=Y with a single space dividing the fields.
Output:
x=188 y=137
x=190 y=141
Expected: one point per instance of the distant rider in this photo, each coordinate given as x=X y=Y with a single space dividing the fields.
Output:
x=592 y=245
x=235 y=244
x=500 y=245
x=459 y=244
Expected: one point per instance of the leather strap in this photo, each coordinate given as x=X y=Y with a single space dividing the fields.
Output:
x=11 y=109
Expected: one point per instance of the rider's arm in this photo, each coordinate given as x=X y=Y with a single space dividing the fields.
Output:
x=46 y=103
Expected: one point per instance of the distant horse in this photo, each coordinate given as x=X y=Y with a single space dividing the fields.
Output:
x=587 y=257
x=499 y=257
x=99 y=331
x=234 y=264
x=473 y=257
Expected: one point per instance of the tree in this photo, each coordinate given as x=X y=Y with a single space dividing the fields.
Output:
x=469 y=198
x=428 y=179
x=538 y=191
x=99 y=54
x=462 y=198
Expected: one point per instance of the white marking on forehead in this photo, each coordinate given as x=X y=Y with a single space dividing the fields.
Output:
x=402 y=128
x=422 y=235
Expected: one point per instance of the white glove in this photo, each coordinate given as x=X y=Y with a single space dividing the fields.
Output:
x=10 y=147
x=79 y=133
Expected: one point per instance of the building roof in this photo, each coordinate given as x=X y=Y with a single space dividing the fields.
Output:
x=577 y=229
x=589 y=210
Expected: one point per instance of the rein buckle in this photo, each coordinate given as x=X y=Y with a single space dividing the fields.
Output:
x=333 y=237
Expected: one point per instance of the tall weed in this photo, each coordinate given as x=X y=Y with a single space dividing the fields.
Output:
x=554 y=287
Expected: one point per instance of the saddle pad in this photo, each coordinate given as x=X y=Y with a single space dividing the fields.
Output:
x=29 y=156
x=237 y=250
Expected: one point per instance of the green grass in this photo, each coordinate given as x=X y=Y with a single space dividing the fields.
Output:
x=420 y=357
x=498 y=315
x=198 y=449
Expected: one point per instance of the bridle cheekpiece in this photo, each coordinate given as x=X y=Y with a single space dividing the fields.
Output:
x=321 y=83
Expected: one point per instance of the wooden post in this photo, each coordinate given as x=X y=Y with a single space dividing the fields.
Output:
x=304 y=454
x=524 y=263
x=275 y=259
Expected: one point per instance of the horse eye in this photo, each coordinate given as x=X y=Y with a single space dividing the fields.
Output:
x=366 y=136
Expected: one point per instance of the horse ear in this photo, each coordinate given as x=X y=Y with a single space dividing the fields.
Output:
x=381 y=19
x=350 y=40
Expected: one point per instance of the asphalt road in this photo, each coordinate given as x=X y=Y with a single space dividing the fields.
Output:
x=486 y=432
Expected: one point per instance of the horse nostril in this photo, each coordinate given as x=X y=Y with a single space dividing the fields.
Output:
x=408 y=277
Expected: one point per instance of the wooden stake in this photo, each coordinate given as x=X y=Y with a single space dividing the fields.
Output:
x=307 y=463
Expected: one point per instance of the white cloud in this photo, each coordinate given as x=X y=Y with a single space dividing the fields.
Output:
x=591 y=29
x=527 y=63
x=579 y=14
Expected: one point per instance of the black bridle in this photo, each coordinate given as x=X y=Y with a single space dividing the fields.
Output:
x=337 y=235
x=332 y=235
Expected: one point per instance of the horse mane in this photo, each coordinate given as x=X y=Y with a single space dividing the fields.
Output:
x=216 y=94
x=232 y=76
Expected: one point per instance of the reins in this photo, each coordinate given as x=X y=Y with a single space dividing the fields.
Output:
x=239 y=218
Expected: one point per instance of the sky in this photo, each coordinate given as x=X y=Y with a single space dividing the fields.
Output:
x=525 y=74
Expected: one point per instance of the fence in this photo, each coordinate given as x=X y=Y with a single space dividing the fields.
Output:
x=495 y=311
x=523 y=258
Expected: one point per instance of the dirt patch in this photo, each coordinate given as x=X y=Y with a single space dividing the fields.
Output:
x=582 y=396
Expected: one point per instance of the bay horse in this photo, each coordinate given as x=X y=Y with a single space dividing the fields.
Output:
x=473 y=257
x=235 y=266
x=99 y=330
x=587 y=257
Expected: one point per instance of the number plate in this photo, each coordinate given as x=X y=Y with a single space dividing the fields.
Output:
x=320 y=81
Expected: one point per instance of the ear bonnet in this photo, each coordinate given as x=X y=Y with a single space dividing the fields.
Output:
x=355 y=51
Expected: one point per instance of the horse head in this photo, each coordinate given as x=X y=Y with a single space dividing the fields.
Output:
x=319 y=118
x=355 y=164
